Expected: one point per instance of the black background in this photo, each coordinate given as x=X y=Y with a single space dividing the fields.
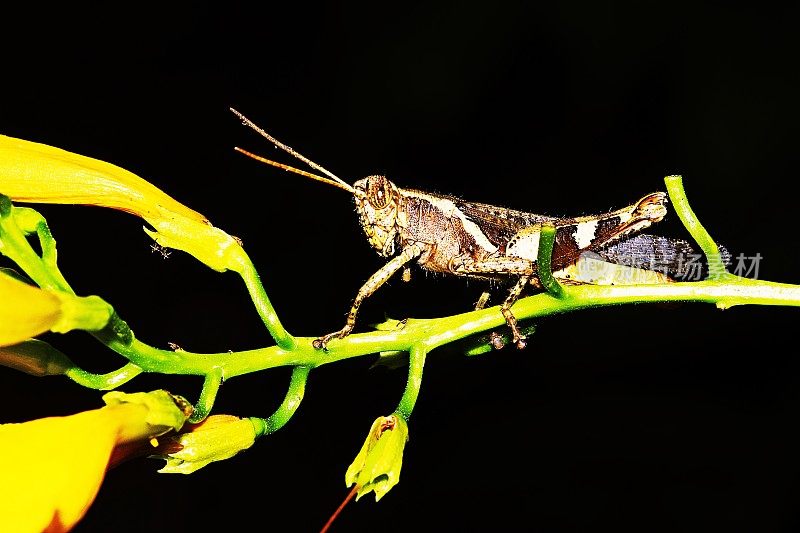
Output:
x=634 y=418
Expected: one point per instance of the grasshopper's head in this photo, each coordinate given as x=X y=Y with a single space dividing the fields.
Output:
x=378 y=205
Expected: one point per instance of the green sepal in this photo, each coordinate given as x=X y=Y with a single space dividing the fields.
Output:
x=89 y=313
x=206 y=243
x=217 y=438
x=164 y=410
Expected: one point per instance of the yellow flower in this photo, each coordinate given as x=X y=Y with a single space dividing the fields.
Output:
x=38 y=173
x=52 y=468
x=26 y=311
x=376 y=468
x=216 y=438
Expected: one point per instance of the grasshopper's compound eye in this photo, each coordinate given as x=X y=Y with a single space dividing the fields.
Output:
x=379 y=191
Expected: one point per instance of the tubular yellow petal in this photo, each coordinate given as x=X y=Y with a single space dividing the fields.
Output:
x=52 y=468
x=25 y=311
x=38 y=173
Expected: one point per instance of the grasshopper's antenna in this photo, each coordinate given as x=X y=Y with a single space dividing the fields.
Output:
x=295 y=170
x=291 y=151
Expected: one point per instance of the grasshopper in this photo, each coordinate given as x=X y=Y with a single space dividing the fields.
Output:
x=448 y=235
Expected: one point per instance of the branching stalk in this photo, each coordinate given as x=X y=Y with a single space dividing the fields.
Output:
x=418 y=337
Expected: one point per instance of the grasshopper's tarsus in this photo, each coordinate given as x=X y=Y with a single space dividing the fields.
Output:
x=321 y=343
x=496 y=340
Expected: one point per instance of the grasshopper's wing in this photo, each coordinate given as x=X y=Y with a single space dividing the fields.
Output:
x=676 y=258
x=498 y=223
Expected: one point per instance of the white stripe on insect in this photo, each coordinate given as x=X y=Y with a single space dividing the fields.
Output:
x=450 y=210
x=525 y=244
x=584 y=233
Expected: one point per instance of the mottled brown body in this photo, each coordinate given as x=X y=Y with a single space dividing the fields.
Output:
x=451 y=236
x=447 y=235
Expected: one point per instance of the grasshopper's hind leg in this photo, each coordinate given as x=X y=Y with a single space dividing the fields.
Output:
x=495 y=338
x=516 y=337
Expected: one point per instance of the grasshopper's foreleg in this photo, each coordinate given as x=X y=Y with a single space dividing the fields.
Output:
x=408 y=254
x=501 y=266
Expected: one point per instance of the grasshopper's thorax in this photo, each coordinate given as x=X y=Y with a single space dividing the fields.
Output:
x=378 y=202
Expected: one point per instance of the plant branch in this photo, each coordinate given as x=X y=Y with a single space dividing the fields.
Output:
x=416 y=363
x=282 y=415
x=418 y=337
x=547 y=239
x=716 y=268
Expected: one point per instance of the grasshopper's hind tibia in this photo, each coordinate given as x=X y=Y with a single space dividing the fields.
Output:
x=373 y=284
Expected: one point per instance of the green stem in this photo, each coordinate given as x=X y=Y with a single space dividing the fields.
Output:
x=282 y=415
x=107 y=381
x=31 y=221
x=547 y=238
x=208 y=394
x=264 y=307
x=416 y=363
x=14 y=245
x=716 y=268
x=732 y=291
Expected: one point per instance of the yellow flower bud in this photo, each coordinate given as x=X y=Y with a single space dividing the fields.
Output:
x=218 y=437
x=376 y=468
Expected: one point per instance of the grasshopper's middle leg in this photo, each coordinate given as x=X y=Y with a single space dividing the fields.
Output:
x=501 y=265
x=483 y=300
x=372 y=284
